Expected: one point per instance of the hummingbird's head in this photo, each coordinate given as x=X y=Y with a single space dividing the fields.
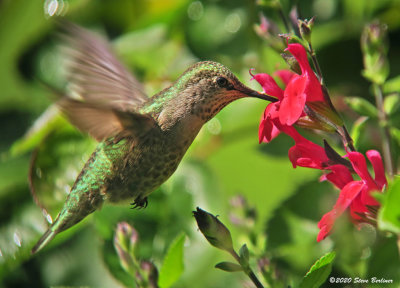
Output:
x=199 y=94
x=207 y=87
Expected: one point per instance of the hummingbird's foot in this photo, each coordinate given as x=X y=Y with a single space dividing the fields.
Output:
x=139 y=203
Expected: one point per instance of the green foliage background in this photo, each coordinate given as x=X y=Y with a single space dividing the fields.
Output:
x=158 y=40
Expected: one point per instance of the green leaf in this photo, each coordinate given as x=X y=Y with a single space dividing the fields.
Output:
x=244 y=255
x=395 y=133
x=362 y=107
x=391 y=104
x=389 y=214
x=392 y=85
x=229 y=267
x=172 y=267
x=319 y=272
x=358 y=129
x=377 y=69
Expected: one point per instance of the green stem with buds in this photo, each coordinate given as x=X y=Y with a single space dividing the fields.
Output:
x=383 y=125
x=246 y=269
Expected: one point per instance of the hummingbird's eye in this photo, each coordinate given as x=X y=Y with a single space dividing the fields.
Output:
x=222 y=82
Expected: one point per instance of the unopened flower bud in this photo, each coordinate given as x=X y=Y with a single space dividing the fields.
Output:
x=264 y=264
x=215 y=232
x=374 y=34
x=238 y=201
x=305 y=28
x=125 y=239
x=374 y=48
x=126 y=236
x=292 y=63
x=149 y=270
x=242 y=213
x=269 y=31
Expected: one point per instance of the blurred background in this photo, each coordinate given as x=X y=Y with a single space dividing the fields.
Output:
x=158 y=40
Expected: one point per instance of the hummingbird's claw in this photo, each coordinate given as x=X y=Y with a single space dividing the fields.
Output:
x=140 y=203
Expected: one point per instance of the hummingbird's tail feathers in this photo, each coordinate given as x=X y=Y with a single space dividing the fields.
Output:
x=46 y=238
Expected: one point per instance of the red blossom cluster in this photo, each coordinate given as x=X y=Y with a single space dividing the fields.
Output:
x=294 y=107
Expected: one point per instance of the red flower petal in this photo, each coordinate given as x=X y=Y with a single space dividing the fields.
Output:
x=267 y=129
x=298 y=51
x=376 y=161
x=269 y=85
x=367 y=199
x=285 y=76
x=339 y=176
x=360 y=167
x=325 y=225
x=313 y=87
x=358 y=207
x=346 y=198
x=347 y=195
x=293 y=101
x=313 y=90
x=305 y=153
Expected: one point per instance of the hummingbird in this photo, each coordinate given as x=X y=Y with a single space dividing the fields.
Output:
x=141 y=139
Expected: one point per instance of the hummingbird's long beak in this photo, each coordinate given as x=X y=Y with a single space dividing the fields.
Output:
x=252 y=93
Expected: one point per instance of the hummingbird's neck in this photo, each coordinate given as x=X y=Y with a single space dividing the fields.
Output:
x=178 y=114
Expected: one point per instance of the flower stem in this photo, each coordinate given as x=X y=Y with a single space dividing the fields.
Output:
x=315 y=63
x=247 y=270
x=346 y=138
x=383 y=125
x=140 y=278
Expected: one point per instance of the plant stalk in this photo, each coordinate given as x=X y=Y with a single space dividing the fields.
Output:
x=315 y=63
x=247 y=270
x=346 y=138
x=383 y=126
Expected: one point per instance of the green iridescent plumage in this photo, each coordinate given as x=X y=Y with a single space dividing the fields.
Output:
x=142 y=140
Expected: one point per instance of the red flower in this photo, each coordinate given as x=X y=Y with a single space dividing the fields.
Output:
x=355 y=195
x=299 y=90
x=305 y=153
x=268 y=130
x=305 y=91
x=339 y=176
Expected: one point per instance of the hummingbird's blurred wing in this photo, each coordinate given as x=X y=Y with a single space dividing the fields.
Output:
x=102 y=122
x=103 y=96
x=95 y=73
